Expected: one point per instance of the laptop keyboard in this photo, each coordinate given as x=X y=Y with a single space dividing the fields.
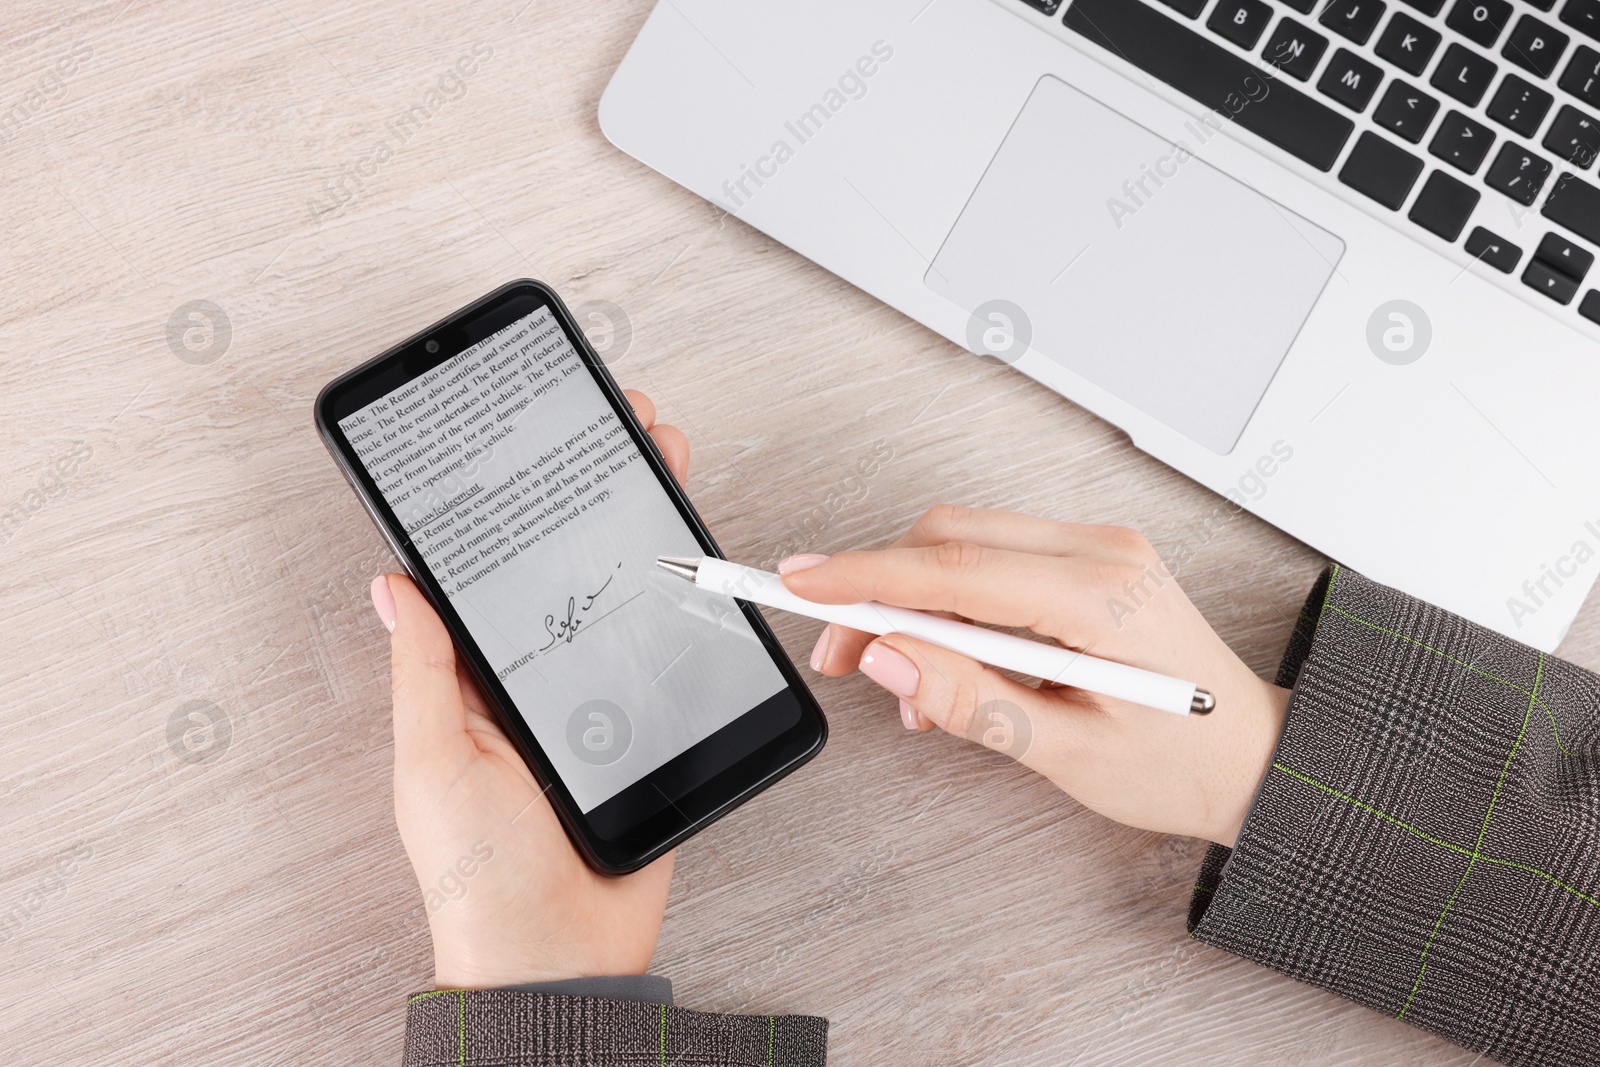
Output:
x=1478 y=98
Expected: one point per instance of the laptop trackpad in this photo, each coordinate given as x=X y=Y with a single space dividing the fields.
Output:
x=1147 y=271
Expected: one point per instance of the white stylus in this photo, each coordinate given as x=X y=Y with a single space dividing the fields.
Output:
x=1049 y=662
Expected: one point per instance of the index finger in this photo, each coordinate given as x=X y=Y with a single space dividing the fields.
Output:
x=986 y=584
x=994 y=528
x=839 y=648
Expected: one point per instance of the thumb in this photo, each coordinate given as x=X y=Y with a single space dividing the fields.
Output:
x=962 y=696
x=429 y=714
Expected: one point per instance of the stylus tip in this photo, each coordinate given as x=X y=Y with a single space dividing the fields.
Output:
x=683 y=568
x=1203 y=703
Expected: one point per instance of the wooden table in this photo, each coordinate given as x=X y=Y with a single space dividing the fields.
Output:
x=186 y=546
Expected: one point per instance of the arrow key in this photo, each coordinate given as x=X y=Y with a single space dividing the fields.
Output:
x=1564 y=256
x=1547 y=280
x=1518 y=173
x=1405 y=111
x=1493 y=249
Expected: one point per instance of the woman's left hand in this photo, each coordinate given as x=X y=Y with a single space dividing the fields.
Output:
x=509 y=898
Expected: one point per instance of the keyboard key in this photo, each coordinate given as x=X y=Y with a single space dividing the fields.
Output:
x=1166 y=49
x=1356 y=19
x=1564 y=256
x=1518 y=173
x=1407 y=43
x=1294 y=49
x=1405 y=111
x=1305 y=7
x=1575 y=204
x=1589 y=306
x=1427 y=7
x=1583 y=16
x=1494 y=250
x=1573 y=136
x=1543 y=5
x=1549 y=281
x=1350 y=79
x=1240 y=21
x=1582 y=76
x=1461 y=142
x=1519 y=106
x=1444 y=205
x=1535 y=47
x=1187 y=8
x=1463 y=74
x=1481 y=21
x=1380 y=170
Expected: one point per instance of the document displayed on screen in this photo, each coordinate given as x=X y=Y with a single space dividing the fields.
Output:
x=537 y=514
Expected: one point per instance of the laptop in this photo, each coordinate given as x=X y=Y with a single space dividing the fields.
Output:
x=1333 y=260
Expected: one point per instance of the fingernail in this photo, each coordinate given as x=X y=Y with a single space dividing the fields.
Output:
x=804 y=561
x=908 y=715
x=383 y=601
x=819 y=654
x=890 y=669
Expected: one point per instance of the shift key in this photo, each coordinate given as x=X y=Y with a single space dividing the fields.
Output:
x=1217 y=78
x=1575 y=204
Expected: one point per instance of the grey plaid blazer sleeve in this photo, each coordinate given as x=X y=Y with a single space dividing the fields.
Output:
x=1427 y=838
x=503 y=1028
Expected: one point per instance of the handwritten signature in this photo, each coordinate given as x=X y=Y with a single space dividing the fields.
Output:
x=563 y=630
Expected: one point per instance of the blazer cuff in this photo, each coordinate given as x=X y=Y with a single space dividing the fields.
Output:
x=1405 y=849
x=494 y=1027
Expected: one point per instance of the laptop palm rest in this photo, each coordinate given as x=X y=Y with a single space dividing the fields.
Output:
x=1141 y=268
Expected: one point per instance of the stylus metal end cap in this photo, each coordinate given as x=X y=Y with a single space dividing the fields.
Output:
x=1203 y=703
x=683 y=568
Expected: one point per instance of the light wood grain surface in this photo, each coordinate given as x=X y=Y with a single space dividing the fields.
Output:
x=938 y=903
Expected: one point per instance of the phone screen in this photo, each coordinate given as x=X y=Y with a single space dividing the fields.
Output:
x=539 y=518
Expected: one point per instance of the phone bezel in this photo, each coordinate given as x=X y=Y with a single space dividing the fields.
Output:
x=682 y=816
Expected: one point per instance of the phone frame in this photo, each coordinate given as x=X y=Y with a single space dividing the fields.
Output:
x=684 y=815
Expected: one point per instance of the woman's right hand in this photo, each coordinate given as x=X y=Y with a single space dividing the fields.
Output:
x=1098 y=589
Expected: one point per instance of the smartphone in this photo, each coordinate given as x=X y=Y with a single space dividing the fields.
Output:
x=507 y=471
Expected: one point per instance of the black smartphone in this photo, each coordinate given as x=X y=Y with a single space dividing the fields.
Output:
x=509 y=474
